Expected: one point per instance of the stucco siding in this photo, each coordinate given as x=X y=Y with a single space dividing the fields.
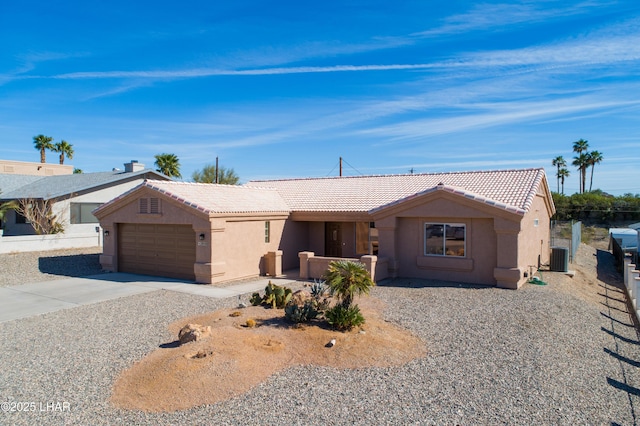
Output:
x=475 y=267
x=245 y=247
x=295 y=238
x=316 y=238
x=534 y=236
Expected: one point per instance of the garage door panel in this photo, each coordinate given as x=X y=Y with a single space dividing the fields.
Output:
x=163 y=250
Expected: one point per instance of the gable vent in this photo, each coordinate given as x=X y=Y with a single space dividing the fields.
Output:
x=154 y=205
x=149 y=206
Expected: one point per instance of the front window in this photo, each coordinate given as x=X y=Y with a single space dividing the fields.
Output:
x=267 y=231
x=445 y=239
x=81 y=212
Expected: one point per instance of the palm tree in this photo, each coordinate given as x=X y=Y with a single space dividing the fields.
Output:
x=4 y=209
x=64 y=148
x=582 y=162
x=563 y=173
x=168 y=165
x=595 y=157
x=580 y=147
x=560 y=163
x=347 y=279
x=208 y=175
x=42 y=143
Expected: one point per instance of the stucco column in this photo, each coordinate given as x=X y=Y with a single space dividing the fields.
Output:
x=634 y=276
x=370 y=262
x=387 y=243
x=210 y=266
x=507 y=272
x=304 y=257
x=628 y=270
x=635 y=306
x=274 y=263
x=108 y=258
x=625 y=268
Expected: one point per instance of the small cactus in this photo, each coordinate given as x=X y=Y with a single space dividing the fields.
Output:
x=274 y=296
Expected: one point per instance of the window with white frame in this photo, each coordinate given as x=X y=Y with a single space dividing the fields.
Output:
x=445 y=239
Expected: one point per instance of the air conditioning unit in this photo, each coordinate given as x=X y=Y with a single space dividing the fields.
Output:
x=559 y=259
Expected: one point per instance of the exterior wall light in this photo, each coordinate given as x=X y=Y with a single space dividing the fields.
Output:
x=106 y=232
x=201 y=236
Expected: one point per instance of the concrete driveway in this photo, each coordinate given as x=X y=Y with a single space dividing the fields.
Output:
x=22 y=301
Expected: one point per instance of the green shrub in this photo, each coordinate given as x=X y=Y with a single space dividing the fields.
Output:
x=298 y=314
x=344 y=318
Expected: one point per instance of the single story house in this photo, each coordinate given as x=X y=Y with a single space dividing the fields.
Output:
x=486 y=227
x=72 y=196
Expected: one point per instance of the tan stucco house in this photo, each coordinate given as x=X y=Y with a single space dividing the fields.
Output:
x=485 y=227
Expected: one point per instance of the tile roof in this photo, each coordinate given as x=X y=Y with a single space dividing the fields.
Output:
x=49 y=187
x=212 y=198
x=512 y=190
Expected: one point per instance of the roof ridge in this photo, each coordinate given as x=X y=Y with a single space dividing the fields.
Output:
x=398 y=175
x=219 y=185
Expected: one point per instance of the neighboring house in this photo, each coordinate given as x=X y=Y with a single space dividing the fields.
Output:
x=477 y=227
x=72 y=196
x=34 y=169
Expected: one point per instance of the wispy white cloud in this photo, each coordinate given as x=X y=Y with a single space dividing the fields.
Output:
x=506 y=16
x=206 y=72
x=490 y=115
x=612 y=47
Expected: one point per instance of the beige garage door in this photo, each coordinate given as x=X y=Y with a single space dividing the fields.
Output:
x=162 y=250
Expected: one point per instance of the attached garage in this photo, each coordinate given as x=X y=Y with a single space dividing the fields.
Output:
x=196 y=232
x=162 y=250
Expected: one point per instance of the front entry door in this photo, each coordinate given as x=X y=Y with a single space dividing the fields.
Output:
x=333 y=239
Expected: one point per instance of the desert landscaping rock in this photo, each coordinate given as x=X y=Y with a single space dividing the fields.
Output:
x=300 y=297
x=566 y=353
x=193 y=333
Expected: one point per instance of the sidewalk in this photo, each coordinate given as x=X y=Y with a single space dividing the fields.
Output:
x=22 y=301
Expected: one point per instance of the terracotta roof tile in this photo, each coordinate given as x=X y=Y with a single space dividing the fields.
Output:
x=512 y=190
x=212 y=198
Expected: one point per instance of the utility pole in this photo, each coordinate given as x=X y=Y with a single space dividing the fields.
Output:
x=217 y=178
x=340 y=166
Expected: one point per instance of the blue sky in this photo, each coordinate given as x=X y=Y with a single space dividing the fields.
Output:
x=283 y=89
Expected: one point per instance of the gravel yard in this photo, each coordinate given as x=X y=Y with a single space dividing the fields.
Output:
x=38 y=266
x=565 y=353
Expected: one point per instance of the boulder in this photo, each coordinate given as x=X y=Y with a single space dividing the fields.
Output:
x=193 y=333
x=300 y=297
